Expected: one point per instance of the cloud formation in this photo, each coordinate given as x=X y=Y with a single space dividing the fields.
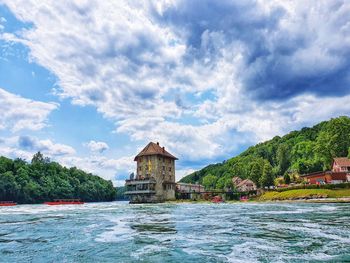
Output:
x=202 y=77
x=25 y=147
x=45 y=146
x=97 y=146
x=18 y=113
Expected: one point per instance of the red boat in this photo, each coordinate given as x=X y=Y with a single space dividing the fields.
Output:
x=7 y=203
x=244 y=199
x=65 y=202
x=217 y=199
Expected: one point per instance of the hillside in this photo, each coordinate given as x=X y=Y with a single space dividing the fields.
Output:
x=43 y=180
x=299 y=152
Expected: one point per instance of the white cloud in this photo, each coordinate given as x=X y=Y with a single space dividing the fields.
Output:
x=128 y=59
x=18 y=113
x=96 y=146
x=26 y=146
x=111 y=169
x=180 y=173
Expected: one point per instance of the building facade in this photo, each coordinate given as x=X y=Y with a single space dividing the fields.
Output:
x=189 y=188
x=340 y=173
x=341 y=165
x=244 y=185
x=155 y=176
x=327 y=177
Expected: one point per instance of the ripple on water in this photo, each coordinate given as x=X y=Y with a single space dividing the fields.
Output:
x=118 y=232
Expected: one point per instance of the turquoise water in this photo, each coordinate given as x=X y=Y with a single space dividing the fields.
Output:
x=119 y=232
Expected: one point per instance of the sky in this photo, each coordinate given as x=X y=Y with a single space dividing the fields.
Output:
x=90 y=83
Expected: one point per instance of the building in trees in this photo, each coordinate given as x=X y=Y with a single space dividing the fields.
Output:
x=236 y=180
x=341 y=165
x=243 y=185
x=189 y=188
x=155 y=176
x=340 y=173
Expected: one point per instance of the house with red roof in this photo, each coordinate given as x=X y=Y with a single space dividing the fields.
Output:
x=245 y=185
x=341 y=164
x=340 y=173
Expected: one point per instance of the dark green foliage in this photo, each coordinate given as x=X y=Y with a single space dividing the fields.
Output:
x=120 y=193
x=315 y=186
x=305 y=151
x=42 y=180
x=267 y=177
x=209 y=181
x=286 y=178
x=224 y=182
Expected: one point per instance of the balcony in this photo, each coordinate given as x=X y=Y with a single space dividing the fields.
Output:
x=140 y=181
x=136 y=192
x=140 y=186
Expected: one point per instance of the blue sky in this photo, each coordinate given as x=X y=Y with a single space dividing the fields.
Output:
x=89 y=83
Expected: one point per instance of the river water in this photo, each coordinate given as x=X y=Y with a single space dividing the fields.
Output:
x=119 y=232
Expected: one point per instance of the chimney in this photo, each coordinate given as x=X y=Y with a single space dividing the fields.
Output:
x=163 y=149
x=157 y=143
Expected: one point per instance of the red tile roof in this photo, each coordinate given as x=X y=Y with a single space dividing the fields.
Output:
x=246 y=182
x=339 y=176
x=333 y=175
x=236 y=180
x=342 y=161
x=154 y=149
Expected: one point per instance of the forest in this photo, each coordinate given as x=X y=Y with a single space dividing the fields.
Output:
x=281 y=159
x=43 y=180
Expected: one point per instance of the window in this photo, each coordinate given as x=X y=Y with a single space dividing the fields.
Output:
x=163 y=168
x=169 y=169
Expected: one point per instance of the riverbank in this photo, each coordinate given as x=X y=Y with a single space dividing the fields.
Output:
x=314 y=195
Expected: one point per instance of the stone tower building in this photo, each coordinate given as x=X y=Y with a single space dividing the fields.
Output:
x=155 y=176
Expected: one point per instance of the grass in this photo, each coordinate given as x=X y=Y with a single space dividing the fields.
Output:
x=304 y=194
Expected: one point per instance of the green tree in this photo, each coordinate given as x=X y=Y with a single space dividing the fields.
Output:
x=42 y=180
x=8 y=186
x=209 y=181
x=6 y=164
x=267 y=178
x=38 y=158
x=224 y=182
x=286 y=178
x=282 y=157
x=256 y=173
x=333 y=140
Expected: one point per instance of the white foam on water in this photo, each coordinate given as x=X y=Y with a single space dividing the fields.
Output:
x=146 y=251
x=249 y=251
x=119 y=232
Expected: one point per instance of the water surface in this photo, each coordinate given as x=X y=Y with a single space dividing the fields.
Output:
x=119 y=232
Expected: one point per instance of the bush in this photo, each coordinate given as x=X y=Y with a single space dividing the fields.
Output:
x=316 y=186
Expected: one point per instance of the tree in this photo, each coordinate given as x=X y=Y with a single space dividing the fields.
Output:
x=255 y=173
x=6 y=164
x=38 y=158
x=209 y=181
x=267 y=176
x=224 y=182
x=333 y=140
x=282 y=157
x=8 y=186
x=42 y=180
x=286 y=178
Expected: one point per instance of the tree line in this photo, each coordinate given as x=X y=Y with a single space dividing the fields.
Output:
x=42 y=180
x=282 y=159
